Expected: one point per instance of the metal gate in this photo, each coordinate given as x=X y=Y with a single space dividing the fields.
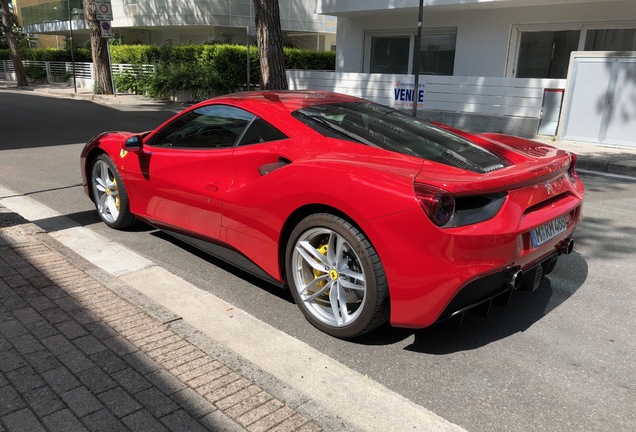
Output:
x=601 y=99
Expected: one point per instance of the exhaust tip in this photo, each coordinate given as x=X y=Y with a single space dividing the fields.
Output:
x=567 y=247
x=515 y=279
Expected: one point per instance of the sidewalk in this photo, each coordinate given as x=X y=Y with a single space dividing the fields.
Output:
x=77 y=355
x=594 y=157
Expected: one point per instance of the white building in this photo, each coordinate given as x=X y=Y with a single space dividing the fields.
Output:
x=470 y=46
x=493 y=38
x=182 y=21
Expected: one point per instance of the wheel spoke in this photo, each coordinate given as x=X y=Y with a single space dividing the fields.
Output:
x=104 y=173
x=102 y=203
x=350 y=285
x=100 y=185
x=314 y=258
x=334 y=249
x=318 y=293
x=112 y=207
x=338 y=304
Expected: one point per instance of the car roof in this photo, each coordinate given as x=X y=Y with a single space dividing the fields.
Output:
x=291 y=100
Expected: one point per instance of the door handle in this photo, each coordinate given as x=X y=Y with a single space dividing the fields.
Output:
x=212 y=187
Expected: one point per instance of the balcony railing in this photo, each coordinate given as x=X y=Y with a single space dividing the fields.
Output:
x=60 y=11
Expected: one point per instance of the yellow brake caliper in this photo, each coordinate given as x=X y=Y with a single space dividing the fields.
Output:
x=117 y=196
x=317 y=273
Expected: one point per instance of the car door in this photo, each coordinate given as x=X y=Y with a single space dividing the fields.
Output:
x=185 y=169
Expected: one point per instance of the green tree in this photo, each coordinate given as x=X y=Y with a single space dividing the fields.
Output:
x=270 y=45
x=12 y=42
x=99 y=49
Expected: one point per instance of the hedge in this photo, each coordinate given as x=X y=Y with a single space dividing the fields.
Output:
x=49 y=54
x=201 y=70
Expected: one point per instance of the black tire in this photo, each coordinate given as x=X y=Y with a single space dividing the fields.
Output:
x=109 y=194
x=318 y=284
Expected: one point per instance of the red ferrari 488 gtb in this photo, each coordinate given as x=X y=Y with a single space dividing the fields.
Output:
x=367 y=214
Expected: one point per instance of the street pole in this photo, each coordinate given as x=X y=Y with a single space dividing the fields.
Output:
x=247 y=49
x=416 y=58
x=70 y=28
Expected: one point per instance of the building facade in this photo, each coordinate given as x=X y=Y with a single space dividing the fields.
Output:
x=499 y=65
x=180 y=21
x=493 y=38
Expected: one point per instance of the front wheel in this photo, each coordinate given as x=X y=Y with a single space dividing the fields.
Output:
x=109 y=194
x=336 y=276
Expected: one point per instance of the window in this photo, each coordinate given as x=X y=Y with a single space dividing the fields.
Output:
x=390 y=54
x=546 y=54
x=393 y=53
x=437 y=53
x=379 y=126
x=543 y=51
x=212 y=126
x=611 y=40
x=260 y=131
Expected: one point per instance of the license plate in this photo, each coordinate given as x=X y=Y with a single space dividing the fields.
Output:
x=548 y=231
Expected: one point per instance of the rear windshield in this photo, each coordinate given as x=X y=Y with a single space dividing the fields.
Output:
x=389 y=129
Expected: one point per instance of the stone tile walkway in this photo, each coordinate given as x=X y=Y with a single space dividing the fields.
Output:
x=76 y=356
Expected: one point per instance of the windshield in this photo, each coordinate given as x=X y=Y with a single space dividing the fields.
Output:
x=389 y=129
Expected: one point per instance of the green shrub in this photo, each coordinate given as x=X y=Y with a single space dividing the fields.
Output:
x=132 y=82
x=35 y=73
x=296 y=58
x=135 y=54
x=49 y=54
x=230 y=61
x=172 y=78
x=201 y=70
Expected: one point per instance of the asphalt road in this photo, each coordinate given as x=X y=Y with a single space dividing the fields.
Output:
x=561 y=358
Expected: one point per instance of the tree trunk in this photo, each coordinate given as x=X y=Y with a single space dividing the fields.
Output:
x=270 y=45
x=13 y=45
x=99 y=49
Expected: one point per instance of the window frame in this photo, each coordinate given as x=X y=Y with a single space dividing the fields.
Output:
x=237 y=142
x=583 y=26
x=433 y=31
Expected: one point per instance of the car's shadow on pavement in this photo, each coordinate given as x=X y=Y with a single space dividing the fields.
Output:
x=524 y=310
x=271 y=288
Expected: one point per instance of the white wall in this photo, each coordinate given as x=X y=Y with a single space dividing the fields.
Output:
x=483 y=36
x=295 y=15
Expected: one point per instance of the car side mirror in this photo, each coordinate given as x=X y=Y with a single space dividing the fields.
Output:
x=133 y=144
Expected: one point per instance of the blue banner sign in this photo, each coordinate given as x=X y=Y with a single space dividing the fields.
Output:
x=404 y=93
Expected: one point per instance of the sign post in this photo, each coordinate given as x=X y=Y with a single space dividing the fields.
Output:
x=104 y=14
x=416 y=61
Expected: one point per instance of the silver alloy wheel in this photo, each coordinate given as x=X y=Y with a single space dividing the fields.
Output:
x=329 y=277
x=105 y=191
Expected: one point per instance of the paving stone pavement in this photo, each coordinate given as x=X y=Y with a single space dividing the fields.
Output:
x=76 y=356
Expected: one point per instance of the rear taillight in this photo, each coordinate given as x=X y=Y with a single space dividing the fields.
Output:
x=572 y=168
x=437 y=203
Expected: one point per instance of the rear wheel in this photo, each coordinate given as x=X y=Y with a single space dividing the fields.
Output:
x=109 y=194
x=336 y=276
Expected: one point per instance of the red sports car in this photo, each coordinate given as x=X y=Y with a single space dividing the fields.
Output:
x=367 y=214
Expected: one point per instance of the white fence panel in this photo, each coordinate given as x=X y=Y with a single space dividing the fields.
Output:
x=83 y=70
x=482 y=95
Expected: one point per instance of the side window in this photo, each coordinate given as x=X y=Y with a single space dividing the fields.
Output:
x=212 y=126
x=260 y=131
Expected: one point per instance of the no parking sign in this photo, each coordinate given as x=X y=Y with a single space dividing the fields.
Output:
x=107 y=30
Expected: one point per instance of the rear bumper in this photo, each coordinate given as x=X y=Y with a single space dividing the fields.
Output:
x=438 y=274
x=496 y=288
